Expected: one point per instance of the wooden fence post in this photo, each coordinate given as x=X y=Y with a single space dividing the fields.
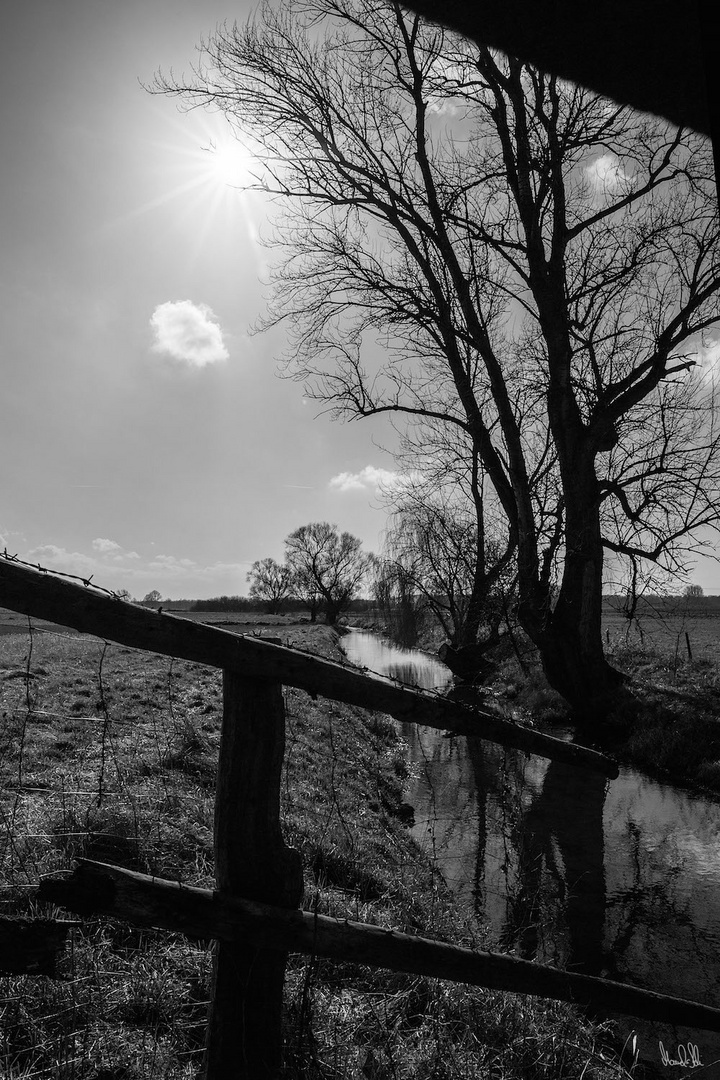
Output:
x=251 y=861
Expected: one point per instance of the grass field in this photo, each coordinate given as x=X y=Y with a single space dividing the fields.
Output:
x=110 y=753
x=666 y=626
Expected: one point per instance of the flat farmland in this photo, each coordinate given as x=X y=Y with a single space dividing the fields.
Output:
x=240 y=622
x=661 y=624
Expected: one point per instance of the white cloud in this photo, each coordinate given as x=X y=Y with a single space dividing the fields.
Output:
x=709 y=355
x=188 y=333
x=106 y=547
x=367 y=479
x=707 y=359
x=111 y=550
x=606 y=173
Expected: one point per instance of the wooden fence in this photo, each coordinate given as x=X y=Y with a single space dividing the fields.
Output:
x=253 y=914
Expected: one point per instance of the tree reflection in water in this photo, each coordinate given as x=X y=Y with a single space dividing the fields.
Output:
x=556 y=911
x=520 y=840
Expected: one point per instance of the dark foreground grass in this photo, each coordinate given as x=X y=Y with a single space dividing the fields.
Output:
x=109 y=753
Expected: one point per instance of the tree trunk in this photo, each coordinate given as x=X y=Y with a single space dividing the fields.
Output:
x=467 y=661
x=572 y=648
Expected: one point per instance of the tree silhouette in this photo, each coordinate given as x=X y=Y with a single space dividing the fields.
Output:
x=471 y=241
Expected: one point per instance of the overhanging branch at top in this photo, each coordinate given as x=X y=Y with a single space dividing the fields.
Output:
x=45 y=596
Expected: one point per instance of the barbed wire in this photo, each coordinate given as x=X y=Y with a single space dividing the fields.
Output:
x=86 y=581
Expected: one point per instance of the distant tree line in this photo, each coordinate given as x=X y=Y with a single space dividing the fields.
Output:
x=251 y=605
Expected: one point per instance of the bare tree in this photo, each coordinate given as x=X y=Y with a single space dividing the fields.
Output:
x=270 y=582
x=439 y=559
x=472 y=241
x=327 y=565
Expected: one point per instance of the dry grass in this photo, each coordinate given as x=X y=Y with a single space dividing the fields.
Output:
x=111 y=753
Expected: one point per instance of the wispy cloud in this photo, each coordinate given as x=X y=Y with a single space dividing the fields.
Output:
x=368 y=479
x=113 y=567
x=56 y=557
x=188 y=332
x=11 y=540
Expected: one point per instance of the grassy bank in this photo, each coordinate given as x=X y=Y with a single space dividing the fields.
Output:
x=671 y=728
x=110 y=753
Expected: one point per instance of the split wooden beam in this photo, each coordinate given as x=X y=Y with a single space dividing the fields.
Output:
x=202 y=914
x=44 y=596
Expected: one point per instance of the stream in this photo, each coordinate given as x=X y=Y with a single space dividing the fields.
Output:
x=614 y=878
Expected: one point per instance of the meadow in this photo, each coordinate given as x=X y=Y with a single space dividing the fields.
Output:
x=110 y=753
x=666 y=625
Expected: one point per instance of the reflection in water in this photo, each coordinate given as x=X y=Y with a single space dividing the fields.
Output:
x=559 y=844
x=368 y=650
x=519 y=840
x=620 y=880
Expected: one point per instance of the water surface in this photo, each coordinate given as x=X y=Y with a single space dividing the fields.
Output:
x=619 y=879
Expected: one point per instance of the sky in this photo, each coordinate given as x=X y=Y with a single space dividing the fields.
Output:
x=147 y=437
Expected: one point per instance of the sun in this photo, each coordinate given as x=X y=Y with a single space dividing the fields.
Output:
x=227 y=163
x=206 y=173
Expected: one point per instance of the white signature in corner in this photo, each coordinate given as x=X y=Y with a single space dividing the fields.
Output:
x=687 y=1056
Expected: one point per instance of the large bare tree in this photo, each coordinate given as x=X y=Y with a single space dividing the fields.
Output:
x=326 y=567
x=469 y=240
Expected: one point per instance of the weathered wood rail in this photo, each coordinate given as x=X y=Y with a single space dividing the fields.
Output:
x=47 y=597
x=201 y=913
x=254 y=915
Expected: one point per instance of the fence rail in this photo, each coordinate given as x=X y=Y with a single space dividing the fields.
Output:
x=46 y=597
x=95 y=888
x=254 y=915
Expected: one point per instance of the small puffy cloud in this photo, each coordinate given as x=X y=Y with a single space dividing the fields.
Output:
x=110 y=549
x=709 y=354
x=707 y=359
x=606 y=173
x=106 y=547
x=369 y=478
x=188 y=333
